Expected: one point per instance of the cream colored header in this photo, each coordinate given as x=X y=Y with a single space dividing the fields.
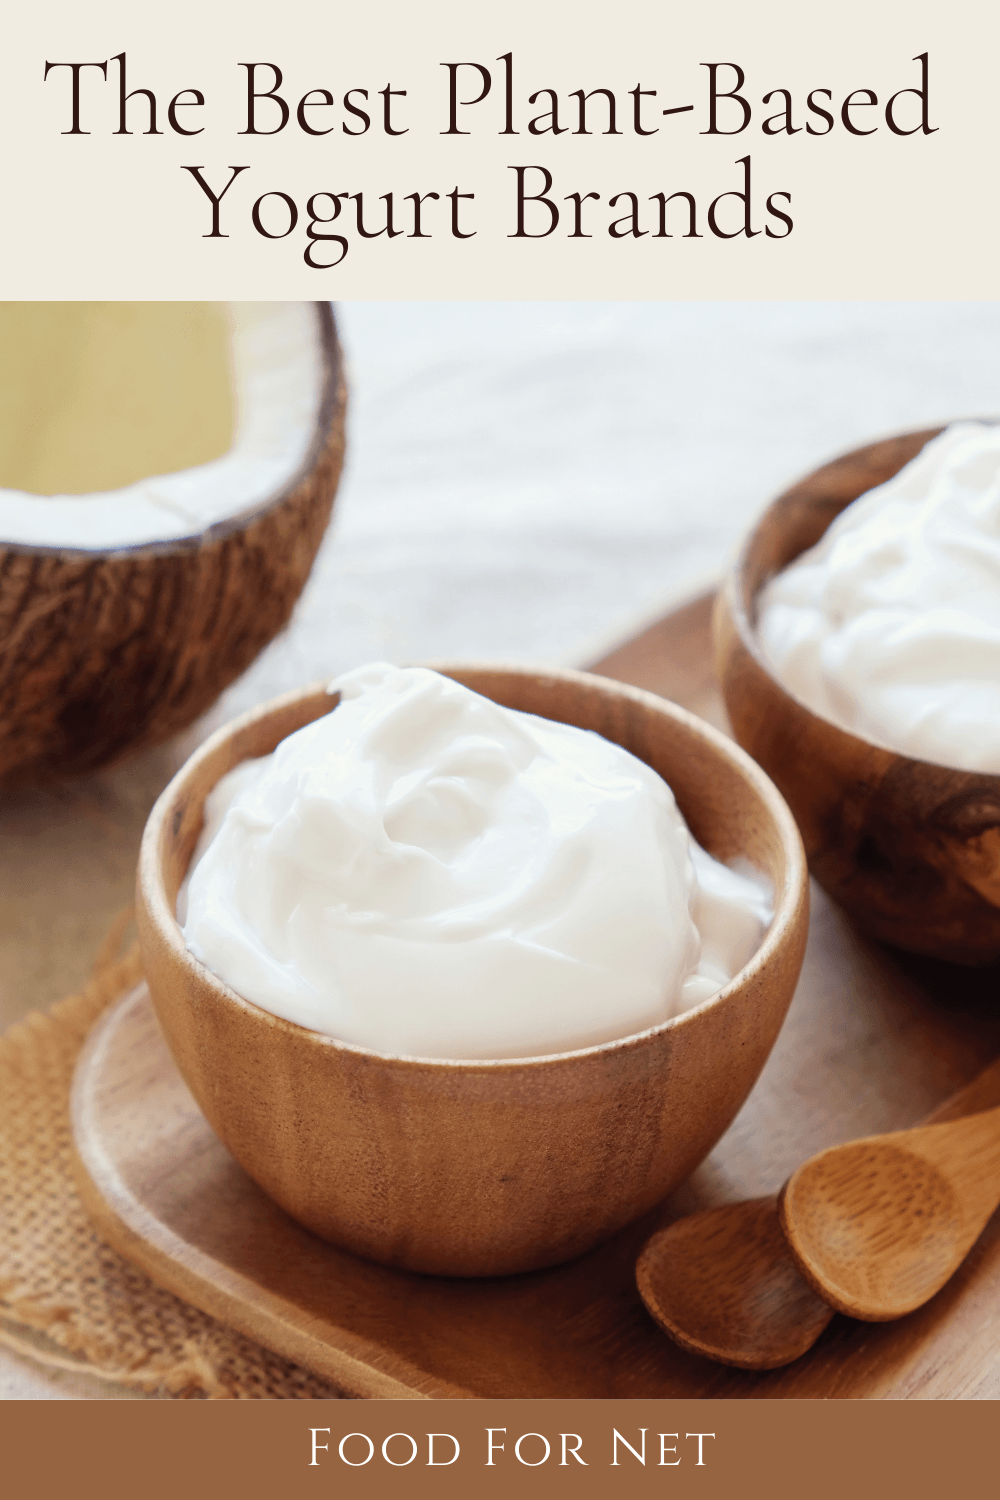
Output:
x=636 y=150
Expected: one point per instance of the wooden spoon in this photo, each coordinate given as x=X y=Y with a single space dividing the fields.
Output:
x=879 y=1225
x=723 y=1283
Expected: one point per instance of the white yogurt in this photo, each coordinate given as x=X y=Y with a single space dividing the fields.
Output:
x=890 y=626
x=423 y=872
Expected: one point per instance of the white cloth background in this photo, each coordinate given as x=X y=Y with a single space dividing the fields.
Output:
x=534 y=481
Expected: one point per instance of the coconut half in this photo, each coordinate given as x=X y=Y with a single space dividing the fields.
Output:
x=170 y=469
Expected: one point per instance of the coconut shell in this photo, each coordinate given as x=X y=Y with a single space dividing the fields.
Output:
x=108 y=652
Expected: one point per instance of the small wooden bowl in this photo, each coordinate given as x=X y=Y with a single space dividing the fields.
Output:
x=480 y=1168
x=910 y=849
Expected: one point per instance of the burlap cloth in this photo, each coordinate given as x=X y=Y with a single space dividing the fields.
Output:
x=66 y=1298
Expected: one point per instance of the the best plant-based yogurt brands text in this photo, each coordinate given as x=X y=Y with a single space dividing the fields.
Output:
x=541 y=195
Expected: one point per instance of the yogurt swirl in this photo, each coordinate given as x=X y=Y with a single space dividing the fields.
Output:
x=890 y=626
x=424 y=872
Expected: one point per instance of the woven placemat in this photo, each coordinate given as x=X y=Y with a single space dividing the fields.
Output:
x=66 y=1298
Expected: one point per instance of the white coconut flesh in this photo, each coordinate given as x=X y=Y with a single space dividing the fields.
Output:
x=131 y=423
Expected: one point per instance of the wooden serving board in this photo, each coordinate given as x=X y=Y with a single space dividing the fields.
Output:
x=873 y=1041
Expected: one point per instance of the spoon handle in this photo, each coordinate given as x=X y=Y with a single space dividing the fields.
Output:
x=974 y=1170
x=981 y=1094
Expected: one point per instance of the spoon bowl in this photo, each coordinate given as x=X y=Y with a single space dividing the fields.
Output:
x=878 y=1226
x=721 y=1283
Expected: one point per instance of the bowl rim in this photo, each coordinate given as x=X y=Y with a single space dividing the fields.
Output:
x=741 y=601
x=790 y=910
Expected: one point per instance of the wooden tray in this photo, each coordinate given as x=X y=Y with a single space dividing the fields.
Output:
x=872 y=1042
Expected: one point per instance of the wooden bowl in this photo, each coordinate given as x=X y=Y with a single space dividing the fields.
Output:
x=910 y=849
x=480 y=1168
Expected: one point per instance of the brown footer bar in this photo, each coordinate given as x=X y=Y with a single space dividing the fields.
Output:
x=803 y=1450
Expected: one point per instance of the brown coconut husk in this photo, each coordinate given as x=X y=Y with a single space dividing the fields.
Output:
x=108 y=652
